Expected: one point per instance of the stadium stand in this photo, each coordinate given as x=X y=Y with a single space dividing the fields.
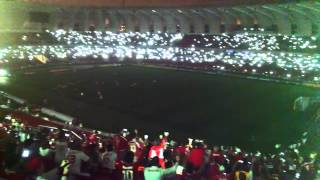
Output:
x=289 y=58
x=48 y=149
x=273 y=41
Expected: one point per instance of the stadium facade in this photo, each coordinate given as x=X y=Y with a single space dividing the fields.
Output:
x=187 y=16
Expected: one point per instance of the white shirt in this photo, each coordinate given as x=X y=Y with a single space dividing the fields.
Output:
x=109 y=159
x=80 y=156
x=61 y=151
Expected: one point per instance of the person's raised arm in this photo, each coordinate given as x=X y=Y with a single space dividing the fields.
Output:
x=170 y=170
x=84 y=157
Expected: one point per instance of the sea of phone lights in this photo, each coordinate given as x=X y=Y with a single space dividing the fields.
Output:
x=287 y=57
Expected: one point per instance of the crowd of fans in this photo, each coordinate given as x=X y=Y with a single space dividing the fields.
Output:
x=49 y=149
x=259 y=42
x=135 y=39
x=270 y=56
x=52 y=150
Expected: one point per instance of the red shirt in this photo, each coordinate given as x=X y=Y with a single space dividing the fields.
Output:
x=213 y=170
x=196 y=157
x=156 y=151
x=33 y=164
x=221 y=177
x=120 y=143
x=218 y=157
x=181 y=150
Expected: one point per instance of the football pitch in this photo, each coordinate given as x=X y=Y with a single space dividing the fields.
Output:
x=221 y=110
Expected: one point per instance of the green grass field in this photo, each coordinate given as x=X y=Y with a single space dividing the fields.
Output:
x=221 y=110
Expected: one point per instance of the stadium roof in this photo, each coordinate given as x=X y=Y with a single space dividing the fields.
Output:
x=303 y=17
x=154 y=3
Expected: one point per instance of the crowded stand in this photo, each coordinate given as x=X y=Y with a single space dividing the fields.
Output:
x=246 y=40
x=36 y=147
x=240 y=41
x=96 y=70
x=289 y=66
x=249 y=41
x=115 y=39
x=30 y=38
x=248 y=54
